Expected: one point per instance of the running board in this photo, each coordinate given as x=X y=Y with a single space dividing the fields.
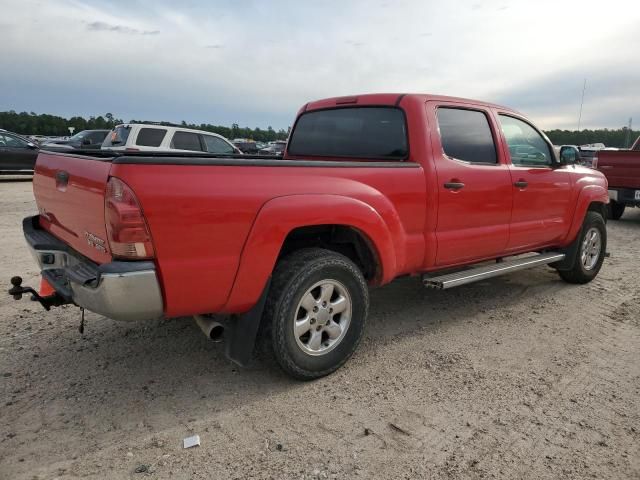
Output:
x=488 y=271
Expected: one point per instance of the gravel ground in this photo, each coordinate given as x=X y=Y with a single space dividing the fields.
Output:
x=522 y=376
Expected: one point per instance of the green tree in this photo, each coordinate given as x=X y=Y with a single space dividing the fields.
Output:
x=30 y=123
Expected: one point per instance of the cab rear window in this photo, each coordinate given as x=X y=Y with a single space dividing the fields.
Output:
x=117 y=137
x=357 y=132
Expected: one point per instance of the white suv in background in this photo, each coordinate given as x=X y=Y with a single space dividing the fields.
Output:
x=143 y=137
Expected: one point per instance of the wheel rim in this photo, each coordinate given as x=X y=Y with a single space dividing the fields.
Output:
x=591 y=247
x=322 y=317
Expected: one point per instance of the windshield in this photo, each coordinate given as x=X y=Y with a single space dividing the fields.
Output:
x=79 y=136
x=117 y=137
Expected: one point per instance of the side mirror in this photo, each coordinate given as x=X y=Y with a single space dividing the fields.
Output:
x=86 y=141
x=569 y=155
x=32 y=145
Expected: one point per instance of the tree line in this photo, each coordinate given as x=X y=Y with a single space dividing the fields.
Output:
x=44 y=124
x=32 y=123
x=620 y=138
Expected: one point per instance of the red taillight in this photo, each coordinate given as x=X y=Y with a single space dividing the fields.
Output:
x=127 y=229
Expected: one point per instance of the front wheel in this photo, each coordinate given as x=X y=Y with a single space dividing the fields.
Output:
x=317 y=308
x=592 y=245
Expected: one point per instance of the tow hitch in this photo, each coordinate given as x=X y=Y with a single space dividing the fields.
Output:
x=53 y=300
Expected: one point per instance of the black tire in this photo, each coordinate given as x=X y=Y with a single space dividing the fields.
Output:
x=615 y=210
x=293 y=277
x=578 y=273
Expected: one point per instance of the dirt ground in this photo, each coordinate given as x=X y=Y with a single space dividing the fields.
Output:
x=522 y=376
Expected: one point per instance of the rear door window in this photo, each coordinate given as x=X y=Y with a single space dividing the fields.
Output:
x=150 y=137
x=466 y=135
x=359 y=132
x=186 y=141
x=117 y=137
x=216 y=145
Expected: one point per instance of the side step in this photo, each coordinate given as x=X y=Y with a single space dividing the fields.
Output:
x=488 y=271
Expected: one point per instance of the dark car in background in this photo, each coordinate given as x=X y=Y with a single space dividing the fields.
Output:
x=245 y=146
x=17 y=154
x=85 y=140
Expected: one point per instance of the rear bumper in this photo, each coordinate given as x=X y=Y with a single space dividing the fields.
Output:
x=625 y=195
x=118 y=290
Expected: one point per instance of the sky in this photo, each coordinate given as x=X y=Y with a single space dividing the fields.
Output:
x=256 y=62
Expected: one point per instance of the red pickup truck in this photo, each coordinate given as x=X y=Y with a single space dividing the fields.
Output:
x=369 y=188
x=622 y=169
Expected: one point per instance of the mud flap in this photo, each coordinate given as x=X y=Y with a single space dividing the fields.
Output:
x=242 y=330
x=569 y=255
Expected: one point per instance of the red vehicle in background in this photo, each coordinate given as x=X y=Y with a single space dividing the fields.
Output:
x=369 y=188
x=622 y=169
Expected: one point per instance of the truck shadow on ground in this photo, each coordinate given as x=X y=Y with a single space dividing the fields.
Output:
x=142 y=369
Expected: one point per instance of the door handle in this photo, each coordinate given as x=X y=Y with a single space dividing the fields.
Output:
x=521 y=184
x=454 y=185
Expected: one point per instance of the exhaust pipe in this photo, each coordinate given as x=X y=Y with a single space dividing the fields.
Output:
x=213 y=329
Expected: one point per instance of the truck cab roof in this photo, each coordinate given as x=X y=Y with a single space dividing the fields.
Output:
x=391 y=99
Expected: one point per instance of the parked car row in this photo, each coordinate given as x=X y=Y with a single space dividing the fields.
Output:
x=250 y=147
x=18 y=153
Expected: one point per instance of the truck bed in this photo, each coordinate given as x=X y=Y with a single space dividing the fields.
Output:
x=621 y=167
x=201 y=208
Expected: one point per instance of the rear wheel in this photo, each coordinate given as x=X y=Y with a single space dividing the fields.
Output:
x=615 y=210
x=592 y=245
x=317 y=308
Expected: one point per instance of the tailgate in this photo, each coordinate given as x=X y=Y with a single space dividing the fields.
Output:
x=622 y=168
x=69 y=191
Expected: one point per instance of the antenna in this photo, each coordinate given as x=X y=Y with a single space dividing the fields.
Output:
x=584 y=87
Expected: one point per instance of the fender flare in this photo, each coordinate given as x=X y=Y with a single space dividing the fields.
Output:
x=588 y=195
x=279 y=216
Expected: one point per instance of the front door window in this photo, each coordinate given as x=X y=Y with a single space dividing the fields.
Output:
x=526 y=145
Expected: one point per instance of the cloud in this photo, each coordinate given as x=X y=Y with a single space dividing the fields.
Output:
x=263 y=60
x=106 y=27
x=610 y=98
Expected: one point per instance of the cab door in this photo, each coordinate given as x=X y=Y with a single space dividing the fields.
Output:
x=541 y=187
x=474 y=184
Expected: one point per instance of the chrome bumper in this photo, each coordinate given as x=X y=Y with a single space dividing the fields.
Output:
x=118 y=290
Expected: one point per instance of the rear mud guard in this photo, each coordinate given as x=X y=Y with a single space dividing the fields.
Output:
x=241 y=331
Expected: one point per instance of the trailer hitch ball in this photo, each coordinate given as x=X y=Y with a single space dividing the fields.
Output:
x=16 y=291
